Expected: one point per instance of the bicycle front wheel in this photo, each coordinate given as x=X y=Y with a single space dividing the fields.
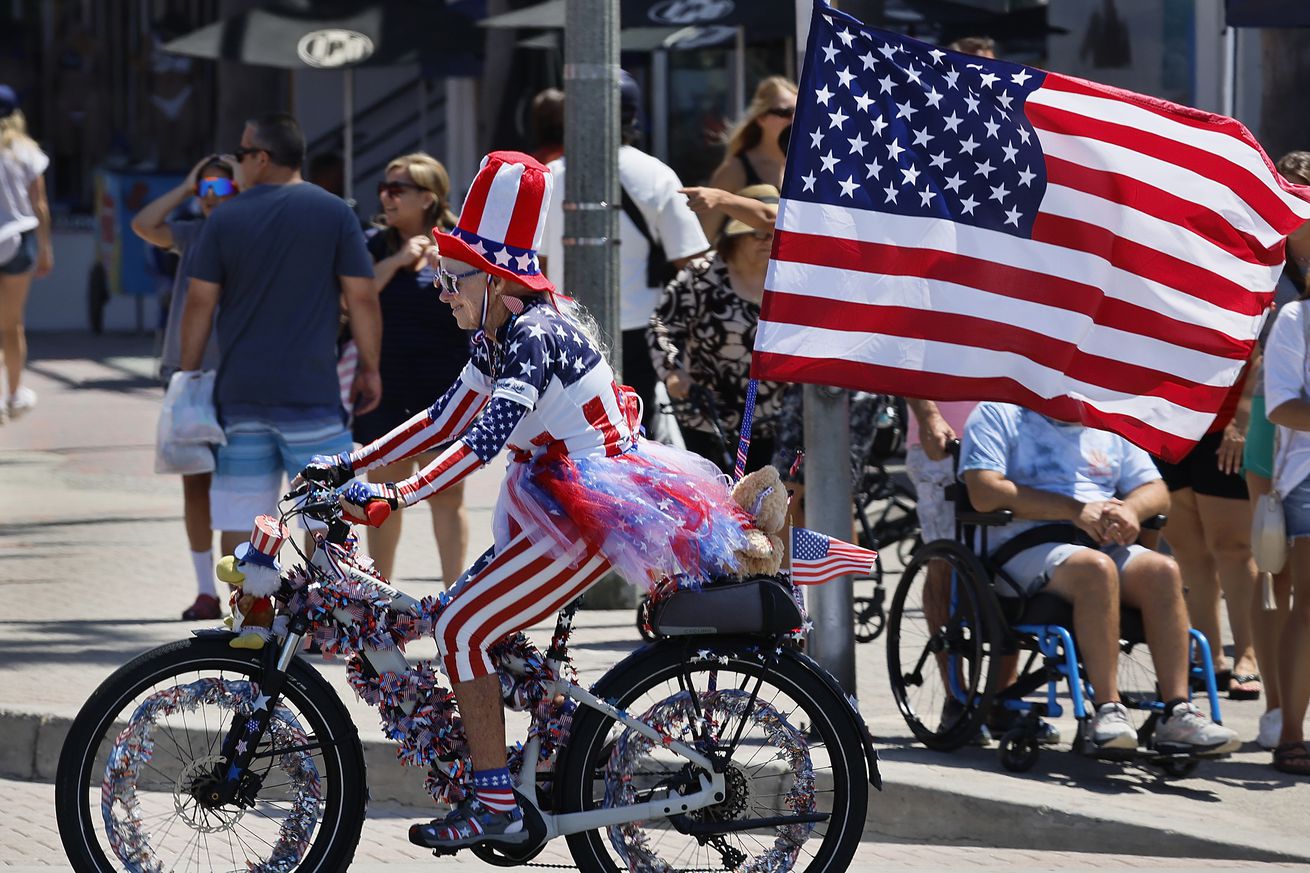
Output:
x=796 y=775
x=128 y=789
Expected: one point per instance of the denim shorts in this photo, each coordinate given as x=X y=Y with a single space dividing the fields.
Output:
x=24 y=260
x=1296 y=510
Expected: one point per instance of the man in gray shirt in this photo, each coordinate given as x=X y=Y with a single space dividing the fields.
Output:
x=276 y=262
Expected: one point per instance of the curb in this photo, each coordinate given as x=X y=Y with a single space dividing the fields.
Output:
x=904 y=811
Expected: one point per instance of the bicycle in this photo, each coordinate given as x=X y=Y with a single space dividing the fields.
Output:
x=745 y=754
x=895 y=525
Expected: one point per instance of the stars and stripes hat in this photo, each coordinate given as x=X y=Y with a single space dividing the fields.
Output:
x=499 y=230
x=266 y=539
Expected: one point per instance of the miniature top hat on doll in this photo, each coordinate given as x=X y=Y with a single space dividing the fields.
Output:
x=253 y=565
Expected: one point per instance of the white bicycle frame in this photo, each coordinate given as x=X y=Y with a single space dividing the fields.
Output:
x=712 y=785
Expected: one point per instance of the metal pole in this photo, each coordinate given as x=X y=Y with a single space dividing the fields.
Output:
x=422 y=112
x=828 y=510
x=659 y=104
x=739 y=74
x=591 y=149
x=1228 y=100
x=828 y=493
x=348 y=132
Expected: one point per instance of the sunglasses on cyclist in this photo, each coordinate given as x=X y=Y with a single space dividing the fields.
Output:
x=449 y=282
x=781 y=111
x=219 y=186
x=395 y=189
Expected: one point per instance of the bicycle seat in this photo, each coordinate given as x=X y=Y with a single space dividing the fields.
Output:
x=758 y=605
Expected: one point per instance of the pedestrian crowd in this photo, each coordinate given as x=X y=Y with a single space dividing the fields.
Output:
x=324 y=333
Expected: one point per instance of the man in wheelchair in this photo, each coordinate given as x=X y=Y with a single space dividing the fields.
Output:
x=1046 y=471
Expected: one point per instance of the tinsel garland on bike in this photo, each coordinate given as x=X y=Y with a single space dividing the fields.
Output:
x=128 y=831
x=679 y=717
x=430 y=734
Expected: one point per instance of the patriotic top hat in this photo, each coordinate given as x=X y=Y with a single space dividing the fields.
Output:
x=258 y=558
x=499 y=229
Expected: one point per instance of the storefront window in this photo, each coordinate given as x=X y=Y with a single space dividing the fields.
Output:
x=701 y=104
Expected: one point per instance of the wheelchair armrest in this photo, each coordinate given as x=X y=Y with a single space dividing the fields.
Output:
x=986 y=519
x=1155 y=522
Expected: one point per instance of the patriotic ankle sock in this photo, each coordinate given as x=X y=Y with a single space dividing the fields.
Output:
x=495 y=790
x=203 y=562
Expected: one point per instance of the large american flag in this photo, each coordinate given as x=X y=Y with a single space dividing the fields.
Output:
x=973 y=229
x=817 y=558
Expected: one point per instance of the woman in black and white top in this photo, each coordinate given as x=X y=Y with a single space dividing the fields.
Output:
x=703 y=330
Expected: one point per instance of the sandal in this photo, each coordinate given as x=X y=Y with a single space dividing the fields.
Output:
x=1293 y=758
x=1245 y=686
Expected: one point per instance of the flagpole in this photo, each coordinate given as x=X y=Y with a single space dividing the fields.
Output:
x=828 y=491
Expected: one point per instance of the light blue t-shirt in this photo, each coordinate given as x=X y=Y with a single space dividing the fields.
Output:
x=1038 y=452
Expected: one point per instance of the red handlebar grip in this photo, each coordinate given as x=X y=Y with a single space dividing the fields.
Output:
x=377 y=512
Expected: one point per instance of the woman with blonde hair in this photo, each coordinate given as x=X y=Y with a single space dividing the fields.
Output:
x=755 y=151
x=25 y=247
x=423 y=349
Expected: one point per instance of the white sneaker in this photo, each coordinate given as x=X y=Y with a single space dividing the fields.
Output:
x=21 y=402
x=1111 y=728
x=1271 y=728
x=1188 y=730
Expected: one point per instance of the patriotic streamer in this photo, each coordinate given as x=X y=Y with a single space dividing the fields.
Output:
x=430 y=734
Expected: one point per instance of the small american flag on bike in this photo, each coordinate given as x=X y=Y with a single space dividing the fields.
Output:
x=817 y=558
x=962 y=228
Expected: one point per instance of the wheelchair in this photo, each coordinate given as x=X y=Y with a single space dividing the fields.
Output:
x=946 y=642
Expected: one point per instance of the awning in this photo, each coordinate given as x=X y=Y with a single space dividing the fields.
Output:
x=1268 y=13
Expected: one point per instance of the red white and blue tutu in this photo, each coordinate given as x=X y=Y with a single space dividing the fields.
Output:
x=653 y=512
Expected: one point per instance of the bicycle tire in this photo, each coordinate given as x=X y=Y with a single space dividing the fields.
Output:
x=967 y=636
x=340 y=808
x=828 y=730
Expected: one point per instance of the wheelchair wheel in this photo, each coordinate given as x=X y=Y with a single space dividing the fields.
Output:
x=1179 y=769
x=1019 y=750
x=943 y=643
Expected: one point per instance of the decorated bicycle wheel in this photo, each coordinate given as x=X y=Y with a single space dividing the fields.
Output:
x=784 y=740
x=137 y=778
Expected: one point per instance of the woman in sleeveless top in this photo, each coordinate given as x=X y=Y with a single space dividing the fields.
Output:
x=755 y=147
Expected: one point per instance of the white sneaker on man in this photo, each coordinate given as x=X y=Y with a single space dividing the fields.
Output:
x=1188 y=730
x=1271 y=729
x=21 y=402
x=1111 y=728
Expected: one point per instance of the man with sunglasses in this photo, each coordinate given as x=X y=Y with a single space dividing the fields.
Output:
x=276 y=263
x=211 y=182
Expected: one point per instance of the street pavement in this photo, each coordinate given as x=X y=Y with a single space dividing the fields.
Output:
x=94 y=569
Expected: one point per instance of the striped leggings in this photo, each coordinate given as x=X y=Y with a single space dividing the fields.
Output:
x=505 y=592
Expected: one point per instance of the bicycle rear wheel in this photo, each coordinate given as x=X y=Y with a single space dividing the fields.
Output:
x=128 y=792
x=796 y=753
